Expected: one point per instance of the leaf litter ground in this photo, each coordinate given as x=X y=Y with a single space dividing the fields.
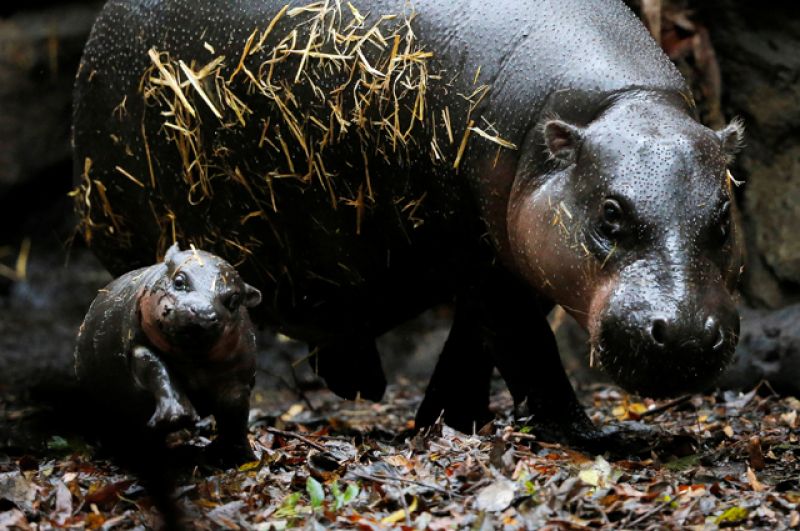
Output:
x=733 y=461
x=726 y=459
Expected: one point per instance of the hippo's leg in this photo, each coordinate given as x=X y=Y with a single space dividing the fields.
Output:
x=499 y=322
x=460 y=383
x=524 y=350
x=231 y=410
x=351 y=367
x=173 y=408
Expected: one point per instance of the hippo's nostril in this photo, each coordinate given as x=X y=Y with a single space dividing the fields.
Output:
x=658 y=331
x=713 y=335
x=204 y=317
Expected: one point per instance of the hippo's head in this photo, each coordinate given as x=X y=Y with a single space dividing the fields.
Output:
x=631 y=228
x=197 y=303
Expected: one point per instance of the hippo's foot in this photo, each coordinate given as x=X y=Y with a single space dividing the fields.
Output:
x=172 y=414
x=629 y=439
x=590 y=438
x=351 y=368
x=229 y=452
x=466 y=415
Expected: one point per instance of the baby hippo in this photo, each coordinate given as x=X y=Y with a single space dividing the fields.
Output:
x=163 y=343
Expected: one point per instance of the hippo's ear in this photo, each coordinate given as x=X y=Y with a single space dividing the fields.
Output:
x=252 y=296
x=732 y=138
x=172 y=252
x=562 y=140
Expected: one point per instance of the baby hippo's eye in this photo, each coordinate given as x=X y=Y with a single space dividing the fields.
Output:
x=611 y=216
x=180 y=282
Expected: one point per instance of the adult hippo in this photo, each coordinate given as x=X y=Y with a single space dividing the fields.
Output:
x=361 y=162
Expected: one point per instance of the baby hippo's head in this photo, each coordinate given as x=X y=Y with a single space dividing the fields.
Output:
x=198 y=301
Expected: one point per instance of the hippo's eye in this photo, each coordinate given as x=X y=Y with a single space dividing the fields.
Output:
x=180 y=282
x=612 y=216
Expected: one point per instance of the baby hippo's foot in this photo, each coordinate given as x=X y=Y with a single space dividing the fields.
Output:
x=227 y=452
x=172 y=413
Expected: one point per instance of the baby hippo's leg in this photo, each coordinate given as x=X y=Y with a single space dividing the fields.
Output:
x=172 y=406
x=231 y=410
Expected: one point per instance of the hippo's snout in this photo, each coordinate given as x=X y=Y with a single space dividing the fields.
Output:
x=196 y=325
x=660 y=346
x=204 y=317
x=710 y=335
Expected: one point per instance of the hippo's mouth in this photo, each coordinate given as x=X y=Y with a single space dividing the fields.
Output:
x=195 y=337
x=660 y=375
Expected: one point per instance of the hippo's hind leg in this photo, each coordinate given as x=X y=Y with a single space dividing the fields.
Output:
x=351 y=367
x=459 y=387
x=173 y=408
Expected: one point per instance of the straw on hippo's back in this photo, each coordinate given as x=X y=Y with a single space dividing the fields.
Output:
x=355 y=161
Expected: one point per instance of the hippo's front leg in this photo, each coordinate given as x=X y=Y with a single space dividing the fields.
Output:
x=151 y=375
x=231 y=409
x=499 y=321
x=525 y=352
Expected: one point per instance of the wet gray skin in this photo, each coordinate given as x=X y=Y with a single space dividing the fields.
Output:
x=161 y=344
x=640 y=205
x=612 y=204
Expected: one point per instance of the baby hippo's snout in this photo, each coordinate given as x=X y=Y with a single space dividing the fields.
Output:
x=661 y=346
x=197 y=323
x=205 y=317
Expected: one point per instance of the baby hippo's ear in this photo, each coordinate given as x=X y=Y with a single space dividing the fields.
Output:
x=252 y=296
x=562 y=140
x=172 y=252
x=732 y=138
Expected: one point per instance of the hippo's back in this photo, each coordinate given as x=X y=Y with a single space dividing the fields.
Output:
x=246 y=163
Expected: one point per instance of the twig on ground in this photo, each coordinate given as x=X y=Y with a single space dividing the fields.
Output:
x=383 y=479
x=293 y=435
x=664 y=407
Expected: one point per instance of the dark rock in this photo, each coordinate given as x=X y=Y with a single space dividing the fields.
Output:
x=758 y=49
x=769 y=349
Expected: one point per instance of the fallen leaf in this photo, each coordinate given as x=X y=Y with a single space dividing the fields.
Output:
x=18 y=490
x=292 y=412
x=13 y=519
x=753 y=480
x=401 y=514
x=755 y=455
x=107 y=494
x=315 y=492
x=497 y=496
x=590 y=477
x=790 y=418
x=598 y=474
x=225 y=515
x=63 y=505
x=733 y=515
